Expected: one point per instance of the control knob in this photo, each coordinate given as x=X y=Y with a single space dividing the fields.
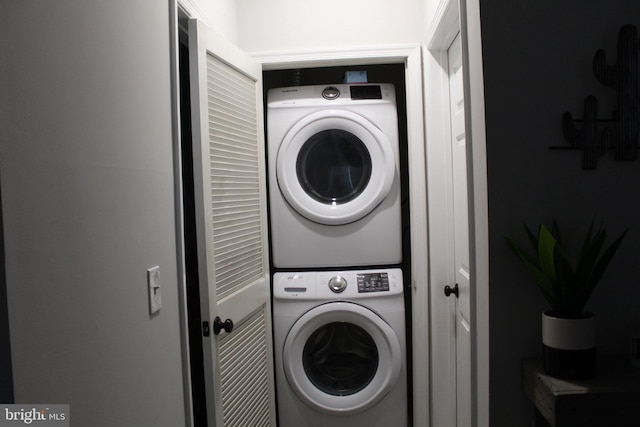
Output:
x=330 y=93
x=337 y=284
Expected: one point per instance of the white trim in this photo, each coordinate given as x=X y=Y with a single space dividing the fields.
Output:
x=478 y=202
x=438 y=132
x=334 y=57
x=194 y=11
x=464 y=16
x=179 y=212
x=446 y=24
x=421 y=346
x=191 y=8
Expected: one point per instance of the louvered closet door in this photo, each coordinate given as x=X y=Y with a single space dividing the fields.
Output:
x=226 y=98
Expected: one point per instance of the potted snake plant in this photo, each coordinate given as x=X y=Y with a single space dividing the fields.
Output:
x=568 y=331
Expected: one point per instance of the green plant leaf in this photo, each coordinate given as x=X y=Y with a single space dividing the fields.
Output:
x=601 y=265
x=591 y=249
x=586 y=244
x=532 y=238
x=566 y=287
x=546 y=248
x=565 y=284
x=555 y=230
x=543 y=282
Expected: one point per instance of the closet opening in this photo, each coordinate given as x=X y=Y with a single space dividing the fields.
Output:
x=393 y=73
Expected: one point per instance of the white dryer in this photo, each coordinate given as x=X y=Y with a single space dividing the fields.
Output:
x=334 y=183
x=340 y=348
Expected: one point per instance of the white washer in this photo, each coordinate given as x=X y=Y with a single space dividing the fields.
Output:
x=334 y=183
x=340 y=348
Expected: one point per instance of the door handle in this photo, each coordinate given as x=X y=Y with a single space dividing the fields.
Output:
x=219 y=325
x=448 y=290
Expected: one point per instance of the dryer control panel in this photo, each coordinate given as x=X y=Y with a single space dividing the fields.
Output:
x=333 y=95
x=329 y=285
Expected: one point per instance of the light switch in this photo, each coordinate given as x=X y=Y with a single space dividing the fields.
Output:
x=153 y=282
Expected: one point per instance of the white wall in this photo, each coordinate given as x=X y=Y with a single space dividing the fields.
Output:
x=537 y=65
x=285 y=25
x=429 y=9
x=88 y=204
x=219 y=15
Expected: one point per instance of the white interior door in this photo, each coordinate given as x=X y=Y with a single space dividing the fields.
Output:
x=229 y=172
x=458 y=225
x=461 y=304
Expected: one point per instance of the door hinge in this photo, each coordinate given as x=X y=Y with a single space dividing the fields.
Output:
x=206 y=331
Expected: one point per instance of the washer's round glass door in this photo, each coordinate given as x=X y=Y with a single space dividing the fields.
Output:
x=334 y=167
x=341 y=358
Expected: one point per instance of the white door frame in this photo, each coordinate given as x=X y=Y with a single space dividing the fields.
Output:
x=453 y=17
x=410 y=56
x=174 y=6
x=478 y=201
x=442 y=324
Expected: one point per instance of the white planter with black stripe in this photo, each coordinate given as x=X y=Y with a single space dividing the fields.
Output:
x=569 y=346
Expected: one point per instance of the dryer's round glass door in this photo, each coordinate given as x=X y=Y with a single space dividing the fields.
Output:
x=334 y=167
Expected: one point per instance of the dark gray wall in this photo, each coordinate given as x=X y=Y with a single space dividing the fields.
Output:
x=537 y=65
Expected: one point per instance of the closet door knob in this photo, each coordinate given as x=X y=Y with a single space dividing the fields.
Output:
x=448 y=290
x=219 y=325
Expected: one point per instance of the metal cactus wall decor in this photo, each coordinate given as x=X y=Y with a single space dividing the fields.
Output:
x=621 y=133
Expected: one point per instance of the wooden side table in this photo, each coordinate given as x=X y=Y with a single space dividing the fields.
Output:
x=612 y=398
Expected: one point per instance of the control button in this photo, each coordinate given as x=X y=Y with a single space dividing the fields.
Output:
x=337 y=284
x=331 y=93
x=373 y=282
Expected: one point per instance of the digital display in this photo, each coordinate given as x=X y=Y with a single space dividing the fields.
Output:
x=373 y=282
x=366 y=92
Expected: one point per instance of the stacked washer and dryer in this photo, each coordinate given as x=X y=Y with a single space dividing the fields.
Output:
x=335 y=215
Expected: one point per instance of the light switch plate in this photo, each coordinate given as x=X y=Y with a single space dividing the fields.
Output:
x=153 y=282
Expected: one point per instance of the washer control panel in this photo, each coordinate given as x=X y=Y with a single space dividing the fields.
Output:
x=329 y=285
x=373 y=282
